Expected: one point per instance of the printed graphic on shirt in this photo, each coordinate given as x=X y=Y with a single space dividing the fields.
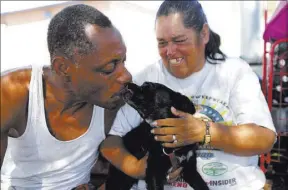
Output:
x=178 y=184
x=205 y=155
x=224 y=182
x=181 y=184
x=214 y=169
x=215 y=110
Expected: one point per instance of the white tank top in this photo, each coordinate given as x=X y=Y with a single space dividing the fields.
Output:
x=37 y=160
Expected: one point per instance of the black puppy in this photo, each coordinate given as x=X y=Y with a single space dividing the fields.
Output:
x=153 y=101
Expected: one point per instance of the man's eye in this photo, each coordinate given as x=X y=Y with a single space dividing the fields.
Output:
x=109 y=68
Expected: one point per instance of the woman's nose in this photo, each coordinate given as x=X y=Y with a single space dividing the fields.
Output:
x=171 y=49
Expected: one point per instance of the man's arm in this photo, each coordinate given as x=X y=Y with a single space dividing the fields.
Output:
x=100 y=169
x=113 y=149
x=14 y=96
x=115 y=152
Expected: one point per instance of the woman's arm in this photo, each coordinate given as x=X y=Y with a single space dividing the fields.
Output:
x=242 y=140
x=252 y=134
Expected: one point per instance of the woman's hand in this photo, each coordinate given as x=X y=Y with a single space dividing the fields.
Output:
x=186 y=130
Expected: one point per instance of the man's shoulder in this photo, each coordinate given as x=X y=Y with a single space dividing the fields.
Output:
x=14 y=95
x=19 y=75
x=15 y=82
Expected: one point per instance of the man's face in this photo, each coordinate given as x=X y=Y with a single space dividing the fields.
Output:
x=99 y=76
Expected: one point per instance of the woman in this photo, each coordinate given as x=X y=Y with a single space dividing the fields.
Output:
x=224 y=90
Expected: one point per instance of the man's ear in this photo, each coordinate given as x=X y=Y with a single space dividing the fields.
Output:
x=60 y=65
x=183 y=103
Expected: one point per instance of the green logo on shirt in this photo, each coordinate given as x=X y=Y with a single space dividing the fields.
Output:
x=214 y=169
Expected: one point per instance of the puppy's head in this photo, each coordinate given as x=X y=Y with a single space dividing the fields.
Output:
x=154 y=101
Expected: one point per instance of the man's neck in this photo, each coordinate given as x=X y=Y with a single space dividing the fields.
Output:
x=57 y=92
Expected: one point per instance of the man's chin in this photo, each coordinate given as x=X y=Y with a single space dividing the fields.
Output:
x=114 y=103
x=111 y=103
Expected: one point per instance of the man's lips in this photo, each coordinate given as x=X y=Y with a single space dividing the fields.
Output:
x=120 y=92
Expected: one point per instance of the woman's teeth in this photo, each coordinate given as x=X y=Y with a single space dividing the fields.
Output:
x=175 y=61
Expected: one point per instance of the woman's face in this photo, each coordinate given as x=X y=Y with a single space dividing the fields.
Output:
x=181 y=49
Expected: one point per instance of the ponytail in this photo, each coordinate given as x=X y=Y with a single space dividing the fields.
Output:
x=212 y=49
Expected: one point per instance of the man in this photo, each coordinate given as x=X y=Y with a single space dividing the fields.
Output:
x=54 y=116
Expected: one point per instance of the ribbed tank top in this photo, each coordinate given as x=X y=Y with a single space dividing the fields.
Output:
x=37 y=160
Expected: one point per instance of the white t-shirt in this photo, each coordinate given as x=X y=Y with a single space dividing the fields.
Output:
x=228 y=92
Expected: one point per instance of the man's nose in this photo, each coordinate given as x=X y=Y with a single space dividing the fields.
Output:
x=124 y=75
x=171 y=49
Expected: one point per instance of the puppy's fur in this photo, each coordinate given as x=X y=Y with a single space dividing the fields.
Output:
x=153 y=101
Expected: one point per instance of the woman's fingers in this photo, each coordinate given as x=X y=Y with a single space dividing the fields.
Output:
x=173 y=144
x=164 y=131
x=166 y=138
x=170 y=122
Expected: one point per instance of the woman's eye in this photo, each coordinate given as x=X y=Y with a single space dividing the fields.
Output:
x=180 y=41
x=161 y=44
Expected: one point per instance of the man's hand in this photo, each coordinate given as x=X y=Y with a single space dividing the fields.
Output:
x=174 y=175
x=134 y=167
x=137 y=169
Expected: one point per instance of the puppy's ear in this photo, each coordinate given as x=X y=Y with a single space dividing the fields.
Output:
x=183 y=103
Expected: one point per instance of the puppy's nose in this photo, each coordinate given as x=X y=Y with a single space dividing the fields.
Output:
x=133 y=87
x=127 y=95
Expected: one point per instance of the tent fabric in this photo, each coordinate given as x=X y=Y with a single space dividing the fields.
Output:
x=277 y=27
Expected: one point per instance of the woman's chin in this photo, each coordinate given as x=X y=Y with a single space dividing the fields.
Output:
x=179 y=74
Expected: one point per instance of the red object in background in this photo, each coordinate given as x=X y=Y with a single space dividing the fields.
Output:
x=276 y=33
x=277 y=28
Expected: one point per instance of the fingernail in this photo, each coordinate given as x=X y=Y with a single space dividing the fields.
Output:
x=155 y=138
x=154 y=123
x=152 y=131
x=167 y=177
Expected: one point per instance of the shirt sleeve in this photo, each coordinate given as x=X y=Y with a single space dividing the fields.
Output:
x=247 y=100
x=126 y=119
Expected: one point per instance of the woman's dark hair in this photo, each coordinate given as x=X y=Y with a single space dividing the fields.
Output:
x=194 y=17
